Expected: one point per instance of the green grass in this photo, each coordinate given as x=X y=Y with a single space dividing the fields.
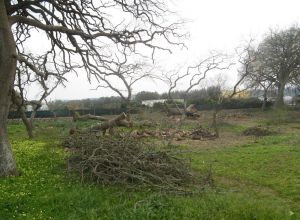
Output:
x=268 y=162
x=259 y=179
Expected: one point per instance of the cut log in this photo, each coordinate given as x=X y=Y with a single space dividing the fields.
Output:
x=119 y=121
x=191 y=110
x=124 y=123
x=78 y=117
x=173 y=111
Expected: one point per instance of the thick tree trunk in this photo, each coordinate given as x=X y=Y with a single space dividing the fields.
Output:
x=7 y=75
x=279 y=99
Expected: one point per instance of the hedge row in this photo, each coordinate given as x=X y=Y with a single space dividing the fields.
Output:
x=233 y=104
x=208 y=104
x=68 y=113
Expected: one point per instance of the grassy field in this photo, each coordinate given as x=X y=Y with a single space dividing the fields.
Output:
x=255 y=177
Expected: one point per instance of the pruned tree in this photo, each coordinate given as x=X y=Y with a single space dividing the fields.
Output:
x=245 y=59
x=123 y=76
x=216 y=97
x=82 y=31
x=196 y=74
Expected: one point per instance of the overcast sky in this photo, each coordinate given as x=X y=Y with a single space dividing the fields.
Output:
x=214 y=25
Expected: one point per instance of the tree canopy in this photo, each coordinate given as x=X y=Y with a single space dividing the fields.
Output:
x=278 y=56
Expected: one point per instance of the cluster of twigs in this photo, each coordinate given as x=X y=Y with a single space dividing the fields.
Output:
x=258 y=131
x=199 y=133
x=124 y=160
x=202 y=133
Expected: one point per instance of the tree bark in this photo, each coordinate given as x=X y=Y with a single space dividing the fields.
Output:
x=77 y=117
x=279 y=99
x=17 y=101
x=215 y=123
x=27 y=122
x=7 y=76
x=264 y=105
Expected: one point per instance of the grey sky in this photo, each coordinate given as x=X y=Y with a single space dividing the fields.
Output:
x=214 y=25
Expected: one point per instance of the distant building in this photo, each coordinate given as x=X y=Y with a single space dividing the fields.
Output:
x=150 y=103
x=290 y=95
x=44 y=107
x=288 y=100
x=296 y=100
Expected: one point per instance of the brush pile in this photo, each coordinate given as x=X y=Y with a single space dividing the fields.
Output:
x=258 y=131
x=202 y=133
x=124 y=160
x=199 y=133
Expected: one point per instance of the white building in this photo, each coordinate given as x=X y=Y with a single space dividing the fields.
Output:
x=150 y=103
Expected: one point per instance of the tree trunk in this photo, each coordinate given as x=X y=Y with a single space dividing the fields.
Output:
x=215 y=123
x=28 y=124
x=264 y=105
x=121 y=121
x=279 y=99
x=18 y=102
x=7 y=75
x=78 y=117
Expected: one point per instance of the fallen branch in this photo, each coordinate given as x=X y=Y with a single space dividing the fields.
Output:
x=78 y=117
x=119 y=121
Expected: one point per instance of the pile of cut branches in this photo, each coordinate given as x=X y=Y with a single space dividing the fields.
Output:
x=125 y=160
x=236 y=115
x=258 y=131
x=201 y=133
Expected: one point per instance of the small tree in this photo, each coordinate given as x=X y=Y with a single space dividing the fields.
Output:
x=35 y=71
x=245 y=57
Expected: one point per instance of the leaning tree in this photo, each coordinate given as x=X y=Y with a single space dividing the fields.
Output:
x=89 y=32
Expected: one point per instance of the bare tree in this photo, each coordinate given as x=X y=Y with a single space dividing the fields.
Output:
x=258 y=79
x=35 y=71
x=196 y=74
x=81 y=30
x=245 y=59
x=122 y=77
x=216 y=96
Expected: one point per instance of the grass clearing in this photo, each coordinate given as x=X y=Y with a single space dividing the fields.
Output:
x=255 y=178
